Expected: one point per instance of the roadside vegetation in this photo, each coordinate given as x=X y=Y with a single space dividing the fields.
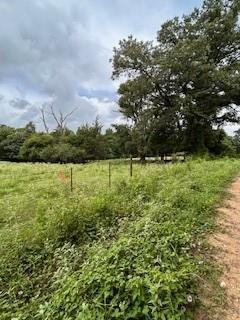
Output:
x=132 y=251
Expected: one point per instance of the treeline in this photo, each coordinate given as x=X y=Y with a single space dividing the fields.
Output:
x=88 y=143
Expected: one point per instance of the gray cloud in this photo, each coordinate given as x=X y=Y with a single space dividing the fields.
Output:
x=19 y=103
x=59 y=51
x=29 y=113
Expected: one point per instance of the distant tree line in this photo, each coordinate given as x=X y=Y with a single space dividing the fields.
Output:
x=88 y=143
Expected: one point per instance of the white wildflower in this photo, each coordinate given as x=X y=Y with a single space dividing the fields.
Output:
x=183 y=309
x=189 y=299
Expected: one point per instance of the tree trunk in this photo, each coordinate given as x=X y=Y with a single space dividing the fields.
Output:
x=142 y=157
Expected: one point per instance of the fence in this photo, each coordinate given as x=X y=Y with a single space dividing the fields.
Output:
x=70 y=176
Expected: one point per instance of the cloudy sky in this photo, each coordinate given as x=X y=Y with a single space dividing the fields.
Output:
x=59 y=50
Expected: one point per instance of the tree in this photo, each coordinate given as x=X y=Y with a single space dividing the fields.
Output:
x=59 y=118
x=219 y=143
x=228 y=146
x=189 y=82
x=30 y=128
x=90 y=139
x=119 y=141
x=236 y=139
x=43 y=119
x=34 y=145
x=62 y=153
x=5 y=131
x=12 y=144
x=11 y=141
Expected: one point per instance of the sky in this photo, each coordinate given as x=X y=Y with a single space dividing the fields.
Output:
x=58 y=51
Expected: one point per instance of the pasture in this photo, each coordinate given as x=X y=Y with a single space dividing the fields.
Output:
x=132 y=251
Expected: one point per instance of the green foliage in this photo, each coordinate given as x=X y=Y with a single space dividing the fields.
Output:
x=63 y=153
x=12 y=144
x=11 y=141
x=120 y=141
x=88 y=143
x=236 y=141
x=129 y=252
x=184 y=85
x=91 y=140
x=34 y=145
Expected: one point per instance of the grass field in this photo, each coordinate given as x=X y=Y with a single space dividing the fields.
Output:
x=132 y=251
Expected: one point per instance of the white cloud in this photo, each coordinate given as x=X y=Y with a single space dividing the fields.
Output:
x=60 y=50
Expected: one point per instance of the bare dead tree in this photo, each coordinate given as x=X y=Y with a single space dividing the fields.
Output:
x=43 y=118
x=59 y=118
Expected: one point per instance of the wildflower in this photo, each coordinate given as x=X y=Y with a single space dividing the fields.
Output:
x=200 y=262
x=183 y=309
x=223 y=284
x=20 y=292
x=189 y=299
x=41 y=311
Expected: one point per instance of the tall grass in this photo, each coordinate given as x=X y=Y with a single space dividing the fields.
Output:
x=129 y=252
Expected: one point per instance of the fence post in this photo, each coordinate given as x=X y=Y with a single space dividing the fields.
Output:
x=131 y=167
x=71 y=178
x=109 y=174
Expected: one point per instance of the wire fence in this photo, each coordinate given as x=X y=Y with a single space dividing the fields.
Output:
x=69 y=177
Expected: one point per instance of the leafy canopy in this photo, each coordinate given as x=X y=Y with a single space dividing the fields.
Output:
x=187 y=83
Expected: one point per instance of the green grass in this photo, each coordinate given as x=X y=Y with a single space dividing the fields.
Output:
x=129 y=252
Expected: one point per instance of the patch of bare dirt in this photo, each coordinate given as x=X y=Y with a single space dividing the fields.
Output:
x=226 y=244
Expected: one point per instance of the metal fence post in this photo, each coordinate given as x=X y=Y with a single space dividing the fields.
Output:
x=131 y=167
x=109 y=174
x=71 y=178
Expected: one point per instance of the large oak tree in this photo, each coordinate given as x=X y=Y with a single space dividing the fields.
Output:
x=181 y=88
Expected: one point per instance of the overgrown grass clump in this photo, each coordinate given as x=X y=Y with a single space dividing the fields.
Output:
x=129 y=252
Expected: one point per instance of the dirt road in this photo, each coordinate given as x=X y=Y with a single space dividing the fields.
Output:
x=227 y=245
